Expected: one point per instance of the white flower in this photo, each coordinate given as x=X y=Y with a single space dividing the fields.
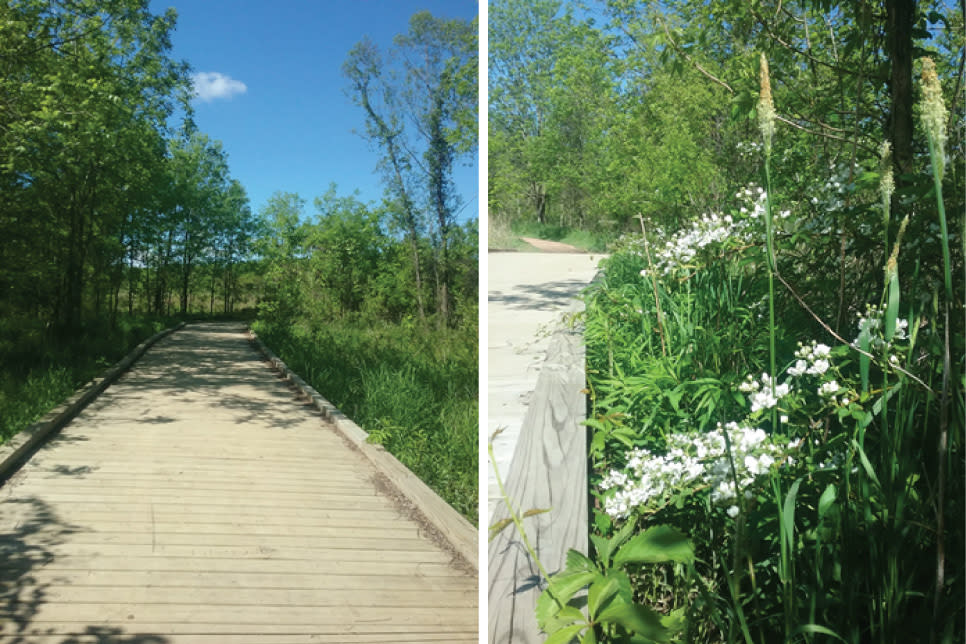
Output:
x=762 y=400
x=818 y=367
x=733 y=511
x=828 y=389
x=798 y=369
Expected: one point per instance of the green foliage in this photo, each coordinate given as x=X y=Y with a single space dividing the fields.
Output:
x=612 y=612
x=95 y=195
x=413 y=390
x=845 y=535
x=38 y=371
x=420 y=110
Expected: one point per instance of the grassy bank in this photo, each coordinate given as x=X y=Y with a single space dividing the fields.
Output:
x=38 y=371
x=414 y=390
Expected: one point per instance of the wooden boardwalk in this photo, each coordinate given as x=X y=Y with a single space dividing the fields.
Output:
x=199 y=500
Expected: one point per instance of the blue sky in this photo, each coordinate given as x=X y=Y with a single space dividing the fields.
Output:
x=282 y=114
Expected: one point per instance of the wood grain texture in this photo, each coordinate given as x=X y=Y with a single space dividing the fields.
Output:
x=200 y=499
x=548 y=471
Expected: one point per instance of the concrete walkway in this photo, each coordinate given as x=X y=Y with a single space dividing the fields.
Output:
x=199 y=500
x=528 y=294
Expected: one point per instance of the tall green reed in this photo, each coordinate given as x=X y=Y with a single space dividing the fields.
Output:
x=766 y=123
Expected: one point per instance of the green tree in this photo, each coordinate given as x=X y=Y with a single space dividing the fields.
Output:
x=347 y=249
x=281 y=246
x=86 y=90
x=418 y=115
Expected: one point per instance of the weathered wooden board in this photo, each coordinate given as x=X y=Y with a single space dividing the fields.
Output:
x=548 y=471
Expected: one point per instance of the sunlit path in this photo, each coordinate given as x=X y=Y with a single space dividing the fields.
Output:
x=200 y=500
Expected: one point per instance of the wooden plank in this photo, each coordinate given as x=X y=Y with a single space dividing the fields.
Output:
x=319 y=597
x=548 y=471
x=346 y=581
x=347 y=618
x=16 y=450
x=413 y=566
x=151 y=633
x=115 y=635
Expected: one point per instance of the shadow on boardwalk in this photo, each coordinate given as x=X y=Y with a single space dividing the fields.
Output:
x=192 y=501
x=547 y=295
x=211 y=368
x=23 y=593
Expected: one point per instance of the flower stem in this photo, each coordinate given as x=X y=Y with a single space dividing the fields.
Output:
x=770 y=245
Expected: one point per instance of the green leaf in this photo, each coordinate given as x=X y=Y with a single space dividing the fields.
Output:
x=826 y=500
x=815 y=628
x=620 y=537
x=551 y=617
x=656 y=545
x=599 y=593
x=579 y=562
x=892 y=307
x=788 y=515
x=866 y=465
x=565 y=585
x=566 y=634
x=638 y=619
x=865 y=341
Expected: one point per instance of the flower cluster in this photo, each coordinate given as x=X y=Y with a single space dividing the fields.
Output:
x=715 y=228
x=749 y=150
x=681 y=249
x=813 y=359
x=765 y=392
x=650 y=479
x=831 y=197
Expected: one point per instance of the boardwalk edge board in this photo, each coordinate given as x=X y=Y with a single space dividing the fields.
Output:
x=548 y=471
x=450 y=524
x=21 y=446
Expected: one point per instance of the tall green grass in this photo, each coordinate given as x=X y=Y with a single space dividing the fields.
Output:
x=414 y=390
x=38 y=370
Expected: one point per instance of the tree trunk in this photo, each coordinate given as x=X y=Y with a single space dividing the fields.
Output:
x=900 y=19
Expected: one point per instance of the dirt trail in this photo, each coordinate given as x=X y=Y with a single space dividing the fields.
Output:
x=548 y=246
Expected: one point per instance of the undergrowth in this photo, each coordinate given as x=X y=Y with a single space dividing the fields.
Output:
x=808 y=441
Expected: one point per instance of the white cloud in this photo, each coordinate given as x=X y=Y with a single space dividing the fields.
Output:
x=211 y=85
